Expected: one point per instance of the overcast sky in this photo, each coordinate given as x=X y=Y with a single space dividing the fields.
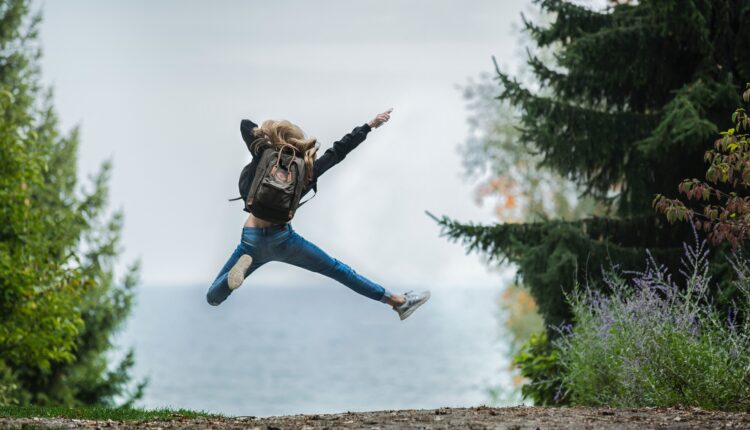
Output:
x=160 y=89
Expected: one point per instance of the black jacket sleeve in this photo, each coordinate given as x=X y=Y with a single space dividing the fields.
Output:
x=340 y=148
x=246 y=129
x=336 y=153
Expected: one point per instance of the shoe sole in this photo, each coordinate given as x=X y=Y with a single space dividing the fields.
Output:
x=406 y=314
x=237 y=272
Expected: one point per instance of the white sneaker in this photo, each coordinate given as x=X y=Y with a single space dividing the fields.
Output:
x=413 y=301
x=237 y=272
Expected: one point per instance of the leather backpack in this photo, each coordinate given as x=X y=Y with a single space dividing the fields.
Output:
x=276 y=188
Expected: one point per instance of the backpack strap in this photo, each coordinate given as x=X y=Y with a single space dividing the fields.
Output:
x=315 y=193
x=259 y=144
x=281 y=151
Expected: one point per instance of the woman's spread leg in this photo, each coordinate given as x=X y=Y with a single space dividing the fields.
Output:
x=301 y=253
x=220 y=288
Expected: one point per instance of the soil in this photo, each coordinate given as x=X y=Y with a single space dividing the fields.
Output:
x=511 y=418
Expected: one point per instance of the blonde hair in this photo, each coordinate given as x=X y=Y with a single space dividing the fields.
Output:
x=284 y=132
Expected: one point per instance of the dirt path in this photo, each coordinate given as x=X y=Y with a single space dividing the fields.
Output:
x=515 y=418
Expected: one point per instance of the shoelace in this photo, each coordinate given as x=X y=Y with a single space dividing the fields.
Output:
x=411 y=298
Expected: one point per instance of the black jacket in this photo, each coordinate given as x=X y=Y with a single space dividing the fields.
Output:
x=330 y=158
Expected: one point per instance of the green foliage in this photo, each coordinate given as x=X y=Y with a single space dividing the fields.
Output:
x=522 y=192
x=30 y=281
x=507 y=168
x=9 y=389
x=725 y=211
x=539 y=362
x=102 y=413
x=59 y=305
x=655 y=342
x=547 y=253
x=625 y=108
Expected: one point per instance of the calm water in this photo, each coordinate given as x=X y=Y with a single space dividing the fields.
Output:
x=270 y=351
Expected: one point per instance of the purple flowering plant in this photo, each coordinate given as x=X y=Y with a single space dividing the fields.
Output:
x=653 y=339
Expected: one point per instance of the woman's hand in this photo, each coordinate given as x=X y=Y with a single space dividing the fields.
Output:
x=380 y=119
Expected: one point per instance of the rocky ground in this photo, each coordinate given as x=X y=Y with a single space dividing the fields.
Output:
x=513 y=418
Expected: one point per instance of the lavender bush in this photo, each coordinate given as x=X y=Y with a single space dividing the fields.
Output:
x=651 y=341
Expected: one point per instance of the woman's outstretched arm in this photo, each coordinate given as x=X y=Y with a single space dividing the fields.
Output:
x=346 y=144
x=246 y=129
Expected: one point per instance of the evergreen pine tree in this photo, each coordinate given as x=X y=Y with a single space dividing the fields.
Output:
x=635 y=95
x=59 y=304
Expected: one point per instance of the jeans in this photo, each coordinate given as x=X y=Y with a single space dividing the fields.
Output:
x=282 y=243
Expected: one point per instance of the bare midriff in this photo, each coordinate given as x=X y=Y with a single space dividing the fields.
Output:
x=252 y=221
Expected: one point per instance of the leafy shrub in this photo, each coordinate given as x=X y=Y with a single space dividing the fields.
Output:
x=539 y=362
x=650 y=341
x=60 y=303
x=9 y=388
x=724 y=212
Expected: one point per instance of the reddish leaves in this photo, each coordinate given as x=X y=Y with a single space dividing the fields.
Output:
x=724 y=216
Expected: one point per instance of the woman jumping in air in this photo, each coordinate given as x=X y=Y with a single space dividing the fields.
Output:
x=264 y=241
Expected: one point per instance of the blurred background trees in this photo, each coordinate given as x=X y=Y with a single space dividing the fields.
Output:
x=59 y=301
x=624 y=109
x=615 y=106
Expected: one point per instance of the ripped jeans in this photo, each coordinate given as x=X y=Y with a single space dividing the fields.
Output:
x=282 y=243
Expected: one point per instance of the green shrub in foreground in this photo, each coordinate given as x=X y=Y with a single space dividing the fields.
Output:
x=539 y=363
x=653 y=342
x=60 y=301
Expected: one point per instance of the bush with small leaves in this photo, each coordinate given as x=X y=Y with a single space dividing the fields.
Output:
x=653 y=341
x=724 y=196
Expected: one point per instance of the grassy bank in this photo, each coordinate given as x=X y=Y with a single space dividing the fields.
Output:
x=99 y=413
